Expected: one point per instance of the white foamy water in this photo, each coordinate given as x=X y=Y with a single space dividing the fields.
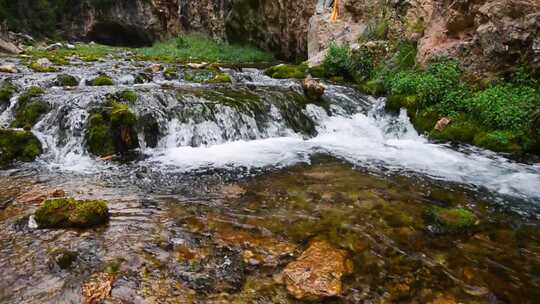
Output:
x=368 y=140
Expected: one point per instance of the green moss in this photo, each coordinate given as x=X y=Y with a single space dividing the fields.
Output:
x=7 y=90
x=221 y=78
x=372 y=87
x=111 y=130
x=99 y=139
x=65 y=258
x=29 y=108
x=242 y=100
x=18 y=145
x=453 y=220
x=499 y=141
x=65 y=80
x=425 y=120
x=71 y=213
x=41 y=69
x=127 y=96
x=462 y=131
x=286 y=71
x=170 y=73
x=317 y=71
x=101 y=80
x=396 y=102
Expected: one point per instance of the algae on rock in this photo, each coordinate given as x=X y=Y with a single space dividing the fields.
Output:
x=18 y=145
x=71 y=213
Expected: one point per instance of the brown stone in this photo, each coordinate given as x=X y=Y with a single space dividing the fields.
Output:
x=97 y=288
x=313 y=89
x=317 y=273
x=38 y=194
x=442 y=123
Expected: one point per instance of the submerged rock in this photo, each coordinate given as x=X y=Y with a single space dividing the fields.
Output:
x=317 y=273
x=71 y=213
x=18 y=145
x=453 y=220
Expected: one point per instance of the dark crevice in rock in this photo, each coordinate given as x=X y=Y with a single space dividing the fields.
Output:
x=112 y=33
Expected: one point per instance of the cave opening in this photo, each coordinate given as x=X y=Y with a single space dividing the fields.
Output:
x=115 y=34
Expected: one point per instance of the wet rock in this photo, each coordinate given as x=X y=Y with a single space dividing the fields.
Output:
x=7 y=90
x=8 y=68
x=30 y=108
x=54 y=46
x=18 y=145
x=154 y=68
x=101 y=80
x=442 y=123
x=65 y=258
x=170 y=74
x=71 y=213
x=8 y=47
x=111 y=130
x=197 y=66
x=317 y=273
x=65 y=80
x=313 y=89
x=38 y=194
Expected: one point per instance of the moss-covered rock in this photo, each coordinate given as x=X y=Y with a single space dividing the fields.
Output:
x=452 y=220
x=111 y=130
x=101 y=80
x=425 y=120
x=462 y=131
x=65 y=258
x=317 y=71
x=7 y=90
x=29 y=108
x=373 y=87
x=36 y=67
x=207 y=76
x=170 y=74
x=221 y=78
x=499 y=141
x=18 y=145
x=65 y=80
x=127 y=96
x=71 y=213
x=396 y=102
x=285 y=71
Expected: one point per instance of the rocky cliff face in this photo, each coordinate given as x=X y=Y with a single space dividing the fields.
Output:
x=485 y=36
x=280 y=26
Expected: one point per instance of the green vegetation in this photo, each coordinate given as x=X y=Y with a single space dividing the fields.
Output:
x=126 y=96
x=65 y=80
x=7 y=90
x=18 y=145
x=29 y=108
x=101 y=80
x=454 y=220
x=170 y=73
x=36 y=67
x=86 y=52
x=500 y=117
x=207 y=76
x=71 y=213
x=65 y=258
x=199 y=48
x=286 y=71
x=111 y=129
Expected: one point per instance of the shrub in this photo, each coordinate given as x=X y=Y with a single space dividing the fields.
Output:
x=337 y=61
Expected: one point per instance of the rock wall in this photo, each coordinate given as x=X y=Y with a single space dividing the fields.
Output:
x=280 y=26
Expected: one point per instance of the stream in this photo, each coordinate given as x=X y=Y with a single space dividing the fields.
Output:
x=232 y=181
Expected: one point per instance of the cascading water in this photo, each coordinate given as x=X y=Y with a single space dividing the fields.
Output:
x=205 y=127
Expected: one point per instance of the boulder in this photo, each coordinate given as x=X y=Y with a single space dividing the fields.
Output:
x=8 y=47
x=313 y=89
x=71 y=213
x=44 y=63
x=8 y=68
x=317 y=273
x=54 y=46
